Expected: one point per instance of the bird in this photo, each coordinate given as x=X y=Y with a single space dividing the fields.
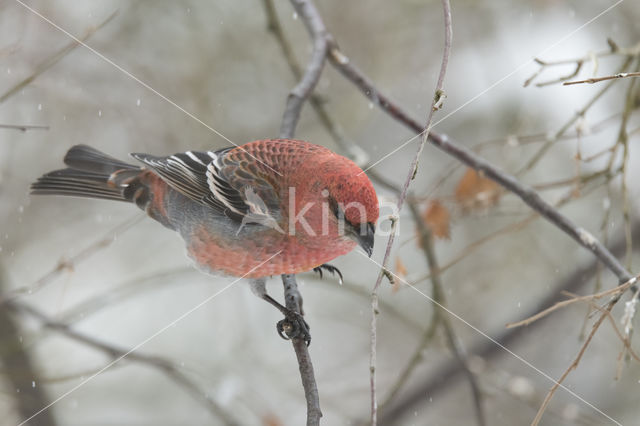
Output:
x=263 y=208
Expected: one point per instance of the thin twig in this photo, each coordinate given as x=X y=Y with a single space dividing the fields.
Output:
x=580 y=113
x=614 y=50
x=114 y=352
x=23 y=127
x=468 y=157
x=54 y=59
x=448 y=374
x=318 y=33
x=573 y=365
x=352 y=150
x=599 y=79
x=415 y=359
x=426 y=240
x=118 y=293
x=625 y=340
x=505 y=230
x=561 y=78
x=571 y=301
x=426 y=130
x=69 y=264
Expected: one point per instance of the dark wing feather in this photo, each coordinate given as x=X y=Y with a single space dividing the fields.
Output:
x=252 y=178
x=216 y=180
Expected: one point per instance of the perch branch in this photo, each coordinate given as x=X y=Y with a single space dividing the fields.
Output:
x=352 y=150
x=318 y=33
x=295 y=101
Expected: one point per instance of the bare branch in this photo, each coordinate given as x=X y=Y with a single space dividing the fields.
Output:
x=599 y=79
x=448 y=374
x=116 y=353
x=293 y=301
x=580 y=113
x=594 y=57
x=468 y=157
x=558 y=305
x=426 y=239
x=438 y=92
x=318 y=33
x=573 y=365
x=54 y=59
x=353 y=151
x=23 y=127
x=68 y=264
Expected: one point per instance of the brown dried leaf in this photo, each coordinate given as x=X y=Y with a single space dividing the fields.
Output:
x=401 y=271
x=438 y=219
x=271 y=419
x=475 y=191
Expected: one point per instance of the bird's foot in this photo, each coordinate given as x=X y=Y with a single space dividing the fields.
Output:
x=293 y=326
x=329 y=268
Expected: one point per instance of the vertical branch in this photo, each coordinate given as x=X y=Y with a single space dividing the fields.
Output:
x=293 y=301
x=426 y=240
x=309 y=15
x=303 y=89
x=352 y=150
x=403 y=194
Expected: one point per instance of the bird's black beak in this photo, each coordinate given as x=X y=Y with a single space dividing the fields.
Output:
x=366 y=237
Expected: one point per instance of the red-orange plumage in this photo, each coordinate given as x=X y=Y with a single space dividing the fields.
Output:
x=265 y=208
x=313 y=176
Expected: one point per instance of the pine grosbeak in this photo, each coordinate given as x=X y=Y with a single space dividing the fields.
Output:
x=265 y=208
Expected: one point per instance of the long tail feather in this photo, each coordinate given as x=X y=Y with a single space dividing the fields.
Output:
x=76 y=183
x=90 y=174
x=88 y=159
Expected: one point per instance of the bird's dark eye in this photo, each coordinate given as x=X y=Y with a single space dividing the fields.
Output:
x=335 y=208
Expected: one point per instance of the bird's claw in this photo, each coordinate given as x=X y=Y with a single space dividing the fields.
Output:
x=329 y=268
x=293 y=326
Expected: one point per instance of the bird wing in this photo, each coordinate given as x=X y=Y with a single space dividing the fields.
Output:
x=229 y=183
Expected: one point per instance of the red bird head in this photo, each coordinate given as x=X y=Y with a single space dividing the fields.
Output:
x=353 y=198
x=346 y=195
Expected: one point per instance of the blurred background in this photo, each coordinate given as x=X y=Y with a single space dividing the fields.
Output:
x=109 y=274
